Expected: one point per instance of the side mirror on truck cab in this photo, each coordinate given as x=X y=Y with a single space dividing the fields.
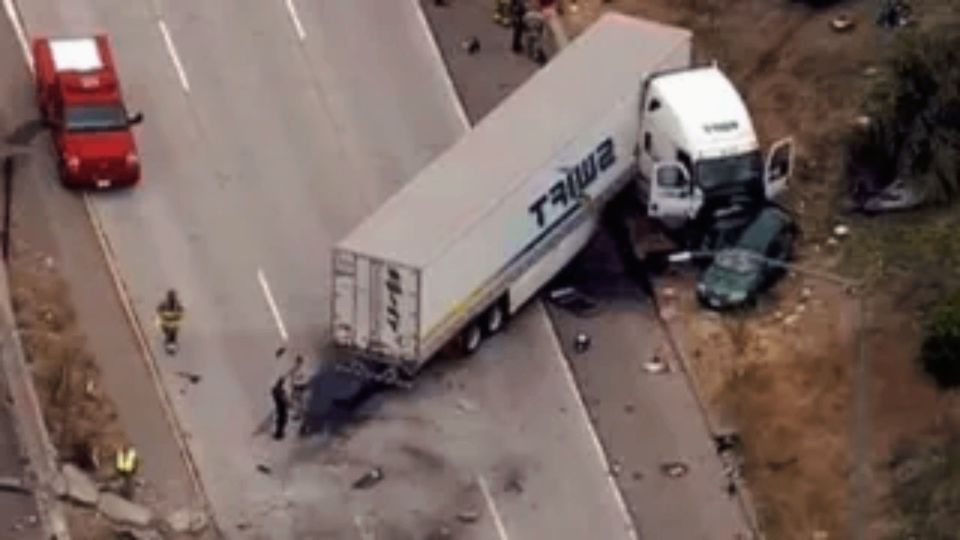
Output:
x=778 y=168
x=135 y=118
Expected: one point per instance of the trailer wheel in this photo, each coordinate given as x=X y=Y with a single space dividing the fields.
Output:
x=470 y=338
x=494 y=319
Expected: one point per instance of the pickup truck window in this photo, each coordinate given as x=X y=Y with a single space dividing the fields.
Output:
x=95 y=118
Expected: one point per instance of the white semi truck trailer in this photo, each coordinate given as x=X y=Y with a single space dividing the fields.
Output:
x=482 y=228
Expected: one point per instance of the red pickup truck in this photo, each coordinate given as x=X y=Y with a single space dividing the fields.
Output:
x=80 y=100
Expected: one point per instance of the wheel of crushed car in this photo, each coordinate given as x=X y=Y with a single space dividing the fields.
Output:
x=471 y=338
x=495 y=318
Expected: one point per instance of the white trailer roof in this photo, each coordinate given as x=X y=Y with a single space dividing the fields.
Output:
x=516 y=139
x=75 y=54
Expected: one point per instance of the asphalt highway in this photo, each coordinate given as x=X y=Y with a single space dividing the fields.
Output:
x=271 y=129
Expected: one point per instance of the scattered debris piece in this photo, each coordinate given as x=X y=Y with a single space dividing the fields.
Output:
x=674 y=469
x=841 y=231
x=265 y=469
x=655 y=365
x=13 y=485
x=806 y=293
x=628 y=408
x=186 y=520
x=466 y=405
x=468 y=516
x=369 y=479
x=871 y=71
x=669 y=292
x=727 y=442
x=120 y=510
x=514 y=483
x=581 y=343
x=573 y=301
x=842 y=23
x=471 y=45
x=80 y=488
x=192 y=377
x=637 y=476
x=615 y=468
x=791 y=319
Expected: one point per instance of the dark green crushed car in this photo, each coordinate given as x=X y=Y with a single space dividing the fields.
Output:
x=740 y=272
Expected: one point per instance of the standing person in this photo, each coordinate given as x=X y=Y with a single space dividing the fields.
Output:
x=535 y=26
x=518 y=9
x=298 y=389
x=169 y=314
x=281 y=407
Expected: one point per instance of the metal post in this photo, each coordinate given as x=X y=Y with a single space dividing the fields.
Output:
x=7 y=203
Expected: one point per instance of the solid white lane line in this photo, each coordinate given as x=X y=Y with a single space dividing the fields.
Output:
x=497 y=522
x=292 y=10
x=14 y=17
x=271 y=304
x=628 y=524
x=172 y=51
x=438 y=58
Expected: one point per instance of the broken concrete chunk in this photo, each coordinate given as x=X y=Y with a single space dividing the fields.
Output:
x=369 y=479
x=186 y=520
x=120 y=510
x=13 y=485
x=80 y=487
x=468 y=516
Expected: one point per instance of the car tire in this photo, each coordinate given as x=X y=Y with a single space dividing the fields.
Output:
x=495 y=319
x=470 y=338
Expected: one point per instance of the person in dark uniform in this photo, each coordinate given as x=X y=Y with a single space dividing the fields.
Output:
x=518 y=9
x=281 y=406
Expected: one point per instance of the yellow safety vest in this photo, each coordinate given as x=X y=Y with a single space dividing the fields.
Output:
x=127 y=461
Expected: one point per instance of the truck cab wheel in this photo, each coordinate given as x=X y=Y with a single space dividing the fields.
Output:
x=470 y=338
x=494 y=319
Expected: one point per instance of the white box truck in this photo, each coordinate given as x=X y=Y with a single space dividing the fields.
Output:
x=483 y=227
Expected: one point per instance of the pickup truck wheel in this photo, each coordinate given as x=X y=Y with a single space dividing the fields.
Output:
x=470 y=338
x=494 y=319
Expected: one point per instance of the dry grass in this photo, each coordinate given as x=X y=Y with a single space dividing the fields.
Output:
x=81 y=418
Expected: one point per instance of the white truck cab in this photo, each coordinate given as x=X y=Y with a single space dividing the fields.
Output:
x=697 y=141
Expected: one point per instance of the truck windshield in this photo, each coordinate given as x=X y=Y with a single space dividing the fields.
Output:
x=95 y=118
x=732 y=170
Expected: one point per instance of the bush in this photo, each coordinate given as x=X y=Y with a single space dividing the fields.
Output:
x=914 y=112
x=940 y=353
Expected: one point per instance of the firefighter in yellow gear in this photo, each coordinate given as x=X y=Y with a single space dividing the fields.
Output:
x=127 y=464
x=169 y=316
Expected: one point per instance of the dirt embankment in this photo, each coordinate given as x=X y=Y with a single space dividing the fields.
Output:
x=786 y=376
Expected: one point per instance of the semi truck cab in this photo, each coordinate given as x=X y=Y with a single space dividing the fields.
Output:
x=79 y=96
x=697 y=144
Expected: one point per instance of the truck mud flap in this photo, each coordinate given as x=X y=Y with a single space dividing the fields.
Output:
x=375 y=371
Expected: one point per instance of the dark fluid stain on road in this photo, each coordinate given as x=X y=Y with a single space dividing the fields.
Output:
x=336 y=399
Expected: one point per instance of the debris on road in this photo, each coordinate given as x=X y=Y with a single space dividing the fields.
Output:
x=265 y=469
x=13 y=485
x=468 y=516
x=471 y=45
x=655 y=365
x=574 y=301
x=120 y=510
x=80 y=488
x=675 y=469
x=369 y=479
x=186 y=520
x=466 y=405
x=581 y=343
x=192 y=377
x=841 y=231
x=842 y=23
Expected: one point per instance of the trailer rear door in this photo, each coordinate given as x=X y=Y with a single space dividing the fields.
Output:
x=376 y=306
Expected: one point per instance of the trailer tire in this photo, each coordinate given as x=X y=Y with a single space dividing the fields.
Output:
x=495 y=319
x=470 y=338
